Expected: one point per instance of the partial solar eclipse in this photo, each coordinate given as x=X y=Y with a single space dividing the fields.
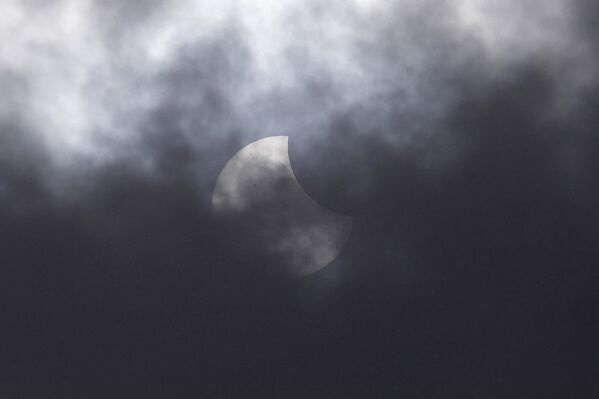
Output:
x=258 y=196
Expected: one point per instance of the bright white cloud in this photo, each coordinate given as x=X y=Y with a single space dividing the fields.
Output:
x=81 y=85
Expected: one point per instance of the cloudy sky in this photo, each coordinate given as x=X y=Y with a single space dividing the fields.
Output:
x=460 y=136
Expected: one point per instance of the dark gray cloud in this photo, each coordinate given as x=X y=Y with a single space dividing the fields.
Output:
x=462 y=138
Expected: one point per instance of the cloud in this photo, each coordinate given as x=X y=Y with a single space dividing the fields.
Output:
x=461 y=136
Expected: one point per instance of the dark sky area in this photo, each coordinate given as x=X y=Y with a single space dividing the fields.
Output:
x=462 y=137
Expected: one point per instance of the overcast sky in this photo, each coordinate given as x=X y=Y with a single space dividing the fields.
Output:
x=461 y=136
